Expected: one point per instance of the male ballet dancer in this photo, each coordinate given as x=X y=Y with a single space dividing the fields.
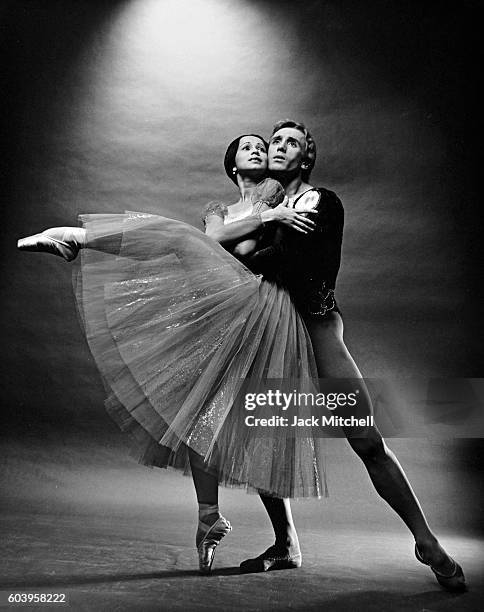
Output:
x=307 y=265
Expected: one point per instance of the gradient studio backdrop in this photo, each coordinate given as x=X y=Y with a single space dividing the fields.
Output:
x=110 y=106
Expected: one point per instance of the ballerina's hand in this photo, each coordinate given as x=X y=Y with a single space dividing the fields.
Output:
x=288 y=216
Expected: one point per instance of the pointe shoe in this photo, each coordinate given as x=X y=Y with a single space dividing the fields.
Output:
x=452 y=582
x=211 y=539
x=62 y=241
x=273 y=558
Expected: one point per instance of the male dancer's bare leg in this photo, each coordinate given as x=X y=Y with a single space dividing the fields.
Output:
x=334 y=361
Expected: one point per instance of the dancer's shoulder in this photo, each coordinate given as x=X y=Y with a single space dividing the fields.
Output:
x=329 y=197
x=214 y=207
x=320 y=199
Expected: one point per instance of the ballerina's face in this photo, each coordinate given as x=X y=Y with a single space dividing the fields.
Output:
x=251 y=155
x=287 y=149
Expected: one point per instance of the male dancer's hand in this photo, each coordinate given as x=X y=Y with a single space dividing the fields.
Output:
x=288 y=216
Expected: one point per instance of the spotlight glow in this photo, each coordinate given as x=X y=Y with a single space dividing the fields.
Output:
x=183 y=76
x=194 y=43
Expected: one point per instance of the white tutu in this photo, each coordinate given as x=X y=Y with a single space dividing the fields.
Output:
x=175 y=324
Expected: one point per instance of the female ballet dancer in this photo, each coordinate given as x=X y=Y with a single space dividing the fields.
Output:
x=307 y=266
x=174 y=322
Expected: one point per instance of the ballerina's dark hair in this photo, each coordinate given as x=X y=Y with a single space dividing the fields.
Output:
x=310 y=158
x=229 y=159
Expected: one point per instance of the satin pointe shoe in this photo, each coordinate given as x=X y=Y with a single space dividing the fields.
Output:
x=62 y=241
x=272 y=559
x=452 y=582
x=209 y=542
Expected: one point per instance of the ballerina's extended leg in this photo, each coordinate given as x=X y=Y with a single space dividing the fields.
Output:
x=66 y=242
x=62 y=241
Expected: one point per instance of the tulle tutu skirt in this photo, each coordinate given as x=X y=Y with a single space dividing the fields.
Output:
x=175 y=324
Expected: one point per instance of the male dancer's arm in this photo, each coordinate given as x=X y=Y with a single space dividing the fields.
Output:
x=269 y=209
x=293 y=258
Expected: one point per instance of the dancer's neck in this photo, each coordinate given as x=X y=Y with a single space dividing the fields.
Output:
x=292 y=183
x=246 y=188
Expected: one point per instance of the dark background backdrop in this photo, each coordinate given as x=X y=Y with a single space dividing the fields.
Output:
x=108 y=106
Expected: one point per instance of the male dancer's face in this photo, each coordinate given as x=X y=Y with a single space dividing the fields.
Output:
x=287 y=150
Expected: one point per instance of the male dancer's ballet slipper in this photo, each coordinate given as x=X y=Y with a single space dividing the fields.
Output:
x=452 y=582
x=62 y=241
x=272 y=559
x=209 y=542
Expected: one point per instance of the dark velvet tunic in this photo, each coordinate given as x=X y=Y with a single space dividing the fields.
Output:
x=306 y=264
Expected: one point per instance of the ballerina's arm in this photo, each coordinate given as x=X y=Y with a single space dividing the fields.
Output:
x=232 y=233
x=247 y=247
